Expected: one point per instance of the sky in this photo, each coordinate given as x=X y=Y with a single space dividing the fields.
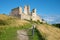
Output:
x=49 y=10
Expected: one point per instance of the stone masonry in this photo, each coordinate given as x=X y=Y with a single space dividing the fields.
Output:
x=25 y=14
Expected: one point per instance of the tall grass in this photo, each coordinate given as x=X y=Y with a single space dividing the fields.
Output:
x=10 y=33
x=36 y=36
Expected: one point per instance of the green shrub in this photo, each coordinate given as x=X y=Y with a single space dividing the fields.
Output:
x=3 y=22
x=56 y=25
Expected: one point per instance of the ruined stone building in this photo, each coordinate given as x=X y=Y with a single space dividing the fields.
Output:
x=25 y=14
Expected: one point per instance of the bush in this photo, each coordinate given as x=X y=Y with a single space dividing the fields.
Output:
x=3 y=22
x=57 y=25
x=41 y=22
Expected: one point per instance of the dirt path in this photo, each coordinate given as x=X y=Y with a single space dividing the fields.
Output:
x=22 y=35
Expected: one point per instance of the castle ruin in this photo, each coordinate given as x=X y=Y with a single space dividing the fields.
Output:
x=25 y=14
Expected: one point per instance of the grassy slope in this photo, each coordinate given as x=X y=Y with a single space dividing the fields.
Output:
x=11 y=21
x=9 y=26
x=49 y=32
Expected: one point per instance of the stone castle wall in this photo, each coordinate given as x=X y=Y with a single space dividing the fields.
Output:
x=26 y=14
x=15 y=12
x=23 y=16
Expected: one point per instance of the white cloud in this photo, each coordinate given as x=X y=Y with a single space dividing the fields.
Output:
x=49 y=19
x=52 y=19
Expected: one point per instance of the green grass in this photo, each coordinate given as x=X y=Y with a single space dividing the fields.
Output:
x=10 y=33
x=37 y=35
x=40 y=37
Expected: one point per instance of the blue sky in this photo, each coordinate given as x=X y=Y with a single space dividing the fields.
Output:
x=47 y=9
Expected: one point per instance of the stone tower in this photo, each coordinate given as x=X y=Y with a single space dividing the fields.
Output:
x=34 y=14
x=20 y=10
x=34 y=11
x=26 y=10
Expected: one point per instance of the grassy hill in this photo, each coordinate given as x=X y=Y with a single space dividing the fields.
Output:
x=49 y=32
x=11 y=21
x=9 y=25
